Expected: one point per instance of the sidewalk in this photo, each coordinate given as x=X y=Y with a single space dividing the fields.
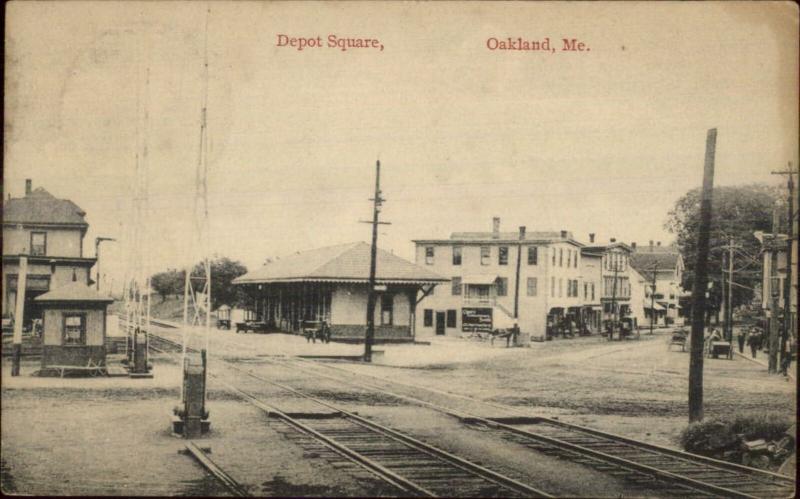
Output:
x=763 y=361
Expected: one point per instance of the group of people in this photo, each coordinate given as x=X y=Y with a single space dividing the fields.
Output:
x=757 y=339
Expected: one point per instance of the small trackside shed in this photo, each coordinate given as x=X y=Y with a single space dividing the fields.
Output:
x=74 y=326
x=330 y=284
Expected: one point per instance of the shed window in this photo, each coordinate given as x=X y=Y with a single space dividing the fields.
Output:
x=74 y=329
x=429 y=255
x=502 y=255
x=485 y=255
x=533 y=255
x=387 y=309
x=451 y=318
x=38 y=243
x=457 y=255
x=427 y=318
x=456 y=281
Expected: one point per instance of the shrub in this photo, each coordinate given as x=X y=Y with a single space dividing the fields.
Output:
x=713 y=436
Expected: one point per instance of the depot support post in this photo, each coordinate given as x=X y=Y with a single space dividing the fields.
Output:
x=701 y=283
x=19 y=314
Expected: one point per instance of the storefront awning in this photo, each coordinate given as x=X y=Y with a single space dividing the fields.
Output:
x=483 y=279
x=656 y=306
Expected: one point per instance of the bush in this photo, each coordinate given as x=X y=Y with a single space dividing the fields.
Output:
x=714 y=436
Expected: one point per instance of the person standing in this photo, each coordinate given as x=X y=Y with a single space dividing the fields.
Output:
x=754 y=342
x=740 y=339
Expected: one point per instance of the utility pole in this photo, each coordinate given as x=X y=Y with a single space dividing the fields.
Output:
x=613 y=304
x=97 y=242
x=516 y=290
x=653 y=298
x=729 y=303
x=700 y=284
x=19 y=314
x=377 y=201
x=774 y=294
x=790 y=279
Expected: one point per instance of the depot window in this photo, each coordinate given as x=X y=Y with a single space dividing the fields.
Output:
x=456 y=281
x=486 y=254
x=451 y=318
x=387 y=310
x=427 y=318
x=429 y=255
x=532 y=285
x=533 y=255
x=74 y=331
x=457 y=255
x=502 y=286
x=502 y=255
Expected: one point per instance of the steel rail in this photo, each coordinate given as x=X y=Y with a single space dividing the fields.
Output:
x=626 y=463
x=201 y=457
x=369 y=464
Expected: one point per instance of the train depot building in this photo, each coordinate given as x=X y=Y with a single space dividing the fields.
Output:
x=49 y=232
x=331 y=284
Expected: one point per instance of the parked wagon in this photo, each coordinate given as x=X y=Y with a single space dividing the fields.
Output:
x=224 y=317
x=680 y=338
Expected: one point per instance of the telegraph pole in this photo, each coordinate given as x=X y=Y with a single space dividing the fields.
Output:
x=613 y=304
x=97 y=242
x=729 y=303
x=700 y=284
x=774 y=294
x=788 y=281
x=653 y=298
x=377 y=201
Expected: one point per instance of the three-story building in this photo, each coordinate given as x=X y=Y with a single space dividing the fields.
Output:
x=484 y=291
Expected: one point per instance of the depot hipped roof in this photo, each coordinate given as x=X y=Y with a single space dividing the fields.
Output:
x=345 y=262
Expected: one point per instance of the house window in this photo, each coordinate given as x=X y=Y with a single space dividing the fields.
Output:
x=427 y=318
x=502 y=286
x=485 y=255
x=569 y=258
x=457 y=255
x=456 y=286
x=553 y=286
x=554 y=257
x=592 y=291
x=560 y=287
x=532 y=284
x=560 y=257
x=38 y=243
x=576 y=259
x=74 y=329
x=502 y=255
x=586 y=290
x=387 y=309
x=429 y=255
x=451 y=318
x=533 y=255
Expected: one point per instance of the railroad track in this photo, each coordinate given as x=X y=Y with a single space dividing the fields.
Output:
x=411 y=466
x=672 y=473
x=677 y=473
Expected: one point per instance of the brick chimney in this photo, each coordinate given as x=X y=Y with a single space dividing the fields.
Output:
x=563 y=234
x=591 y=237
x=28 y=186
x=651 y=245
x=633 y=246
x=658 y=243
x=521 y=232
x=613 y=240
x=496 y=228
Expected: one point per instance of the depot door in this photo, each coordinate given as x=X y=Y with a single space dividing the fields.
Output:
x=440 y=323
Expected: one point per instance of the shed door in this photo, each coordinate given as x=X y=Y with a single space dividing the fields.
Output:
x=440 y=317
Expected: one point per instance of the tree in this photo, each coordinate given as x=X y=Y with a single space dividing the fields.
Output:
x=738 y=211
x=223 y=272
x=167 y=283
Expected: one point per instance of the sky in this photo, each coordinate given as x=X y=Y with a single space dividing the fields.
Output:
x=602 y=141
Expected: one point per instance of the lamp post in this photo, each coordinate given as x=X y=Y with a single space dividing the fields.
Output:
x=97 y=242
